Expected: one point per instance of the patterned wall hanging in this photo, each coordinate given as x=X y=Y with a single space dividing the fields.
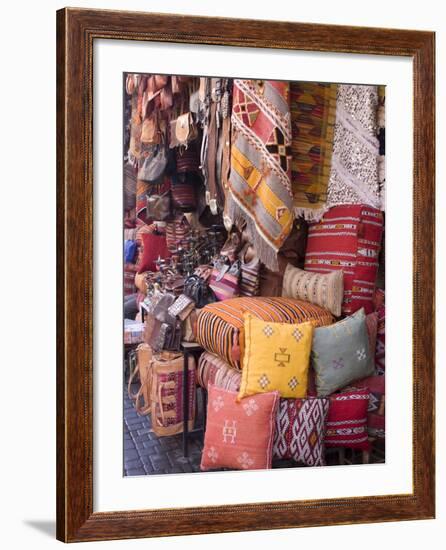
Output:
x=260 y=179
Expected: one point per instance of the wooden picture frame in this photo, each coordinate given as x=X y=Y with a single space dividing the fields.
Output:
x=77 y=29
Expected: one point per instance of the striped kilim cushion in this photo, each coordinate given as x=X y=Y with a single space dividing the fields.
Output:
x=213 y=370
x=220 y=325
x=348 y=238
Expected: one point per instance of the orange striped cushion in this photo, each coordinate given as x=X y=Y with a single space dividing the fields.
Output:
x=220 y=325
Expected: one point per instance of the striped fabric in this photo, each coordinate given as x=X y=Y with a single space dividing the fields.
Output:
x=177 y=231
x=348 y=238
x=220 y=325
x=250 y=277
x=325 y=290
x=213 y=370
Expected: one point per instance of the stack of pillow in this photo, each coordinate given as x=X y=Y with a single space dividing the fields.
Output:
x=279 y=410
x=306 y=382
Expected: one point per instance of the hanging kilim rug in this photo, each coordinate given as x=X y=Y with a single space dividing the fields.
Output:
x=313 y=116
x=260 y=179
x=354 y=162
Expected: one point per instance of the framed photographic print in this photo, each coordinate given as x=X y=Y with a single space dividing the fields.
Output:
x=245 y=275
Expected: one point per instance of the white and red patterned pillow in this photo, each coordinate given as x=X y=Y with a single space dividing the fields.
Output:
x=239 y=435
x=300 y=430
x=346 y=424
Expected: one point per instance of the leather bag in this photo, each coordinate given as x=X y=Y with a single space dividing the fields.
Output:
x=158 y=206
x=154 y=164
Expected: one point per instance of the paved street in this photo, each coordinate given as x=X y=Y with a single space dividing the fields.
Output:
x=145 y=453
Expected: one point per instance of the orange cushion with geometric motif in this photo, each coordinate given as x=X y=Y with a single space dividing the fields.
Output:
x=239 y=435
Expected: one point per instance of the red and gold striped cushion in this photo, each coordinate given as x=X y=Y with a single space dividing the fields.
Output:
x=220 y=325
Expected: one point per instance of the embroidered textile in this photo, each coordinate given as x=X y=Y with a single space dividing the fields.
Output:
x=277 y=357
x=346 y=424
x=325 y=290
x=220 y=325
x=377 y=408
x=300 y=427
x=239 y=435
x=341 y=354
x=313 y=115
x=354 y=162
x=348 y=238
x=260 y=178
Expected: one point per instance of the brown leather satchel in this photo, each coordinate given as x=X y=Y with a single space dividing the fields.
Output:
x=150 y=132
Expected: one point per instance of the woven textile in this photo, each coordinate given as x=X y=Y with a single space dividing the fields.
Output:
x=376 y=409
x=348 y=238
x=154 y=247
x=249 y=274
x=220 y=325
x=325 y=290
x=372 y=330
x=133 y=332
x=260 y=179
x=313 y=115
x=239 y=435
x=213 y=370
x=381 y=135
x=177 y=232
x=380 y=352
x=166 y=393
x=276 y=358
x=300 y=426
x=354 y=162
x=346 y=424
x=341 y=354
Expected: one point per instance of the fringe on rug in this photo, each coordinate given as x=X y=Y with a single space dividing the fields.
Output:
x=310 y=214
x=265 y=251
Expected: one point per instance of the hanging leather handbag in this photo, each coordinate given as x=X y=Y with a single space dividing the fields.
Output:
x=183 y=197
x=187 y=160
x=150 y=132
x=158 y=206
x=166 y=97
x=185 y=129
x=154 y=164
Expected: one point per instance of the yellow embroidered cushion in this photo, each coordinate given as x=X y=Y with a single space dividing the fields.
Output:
x=277 y=357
